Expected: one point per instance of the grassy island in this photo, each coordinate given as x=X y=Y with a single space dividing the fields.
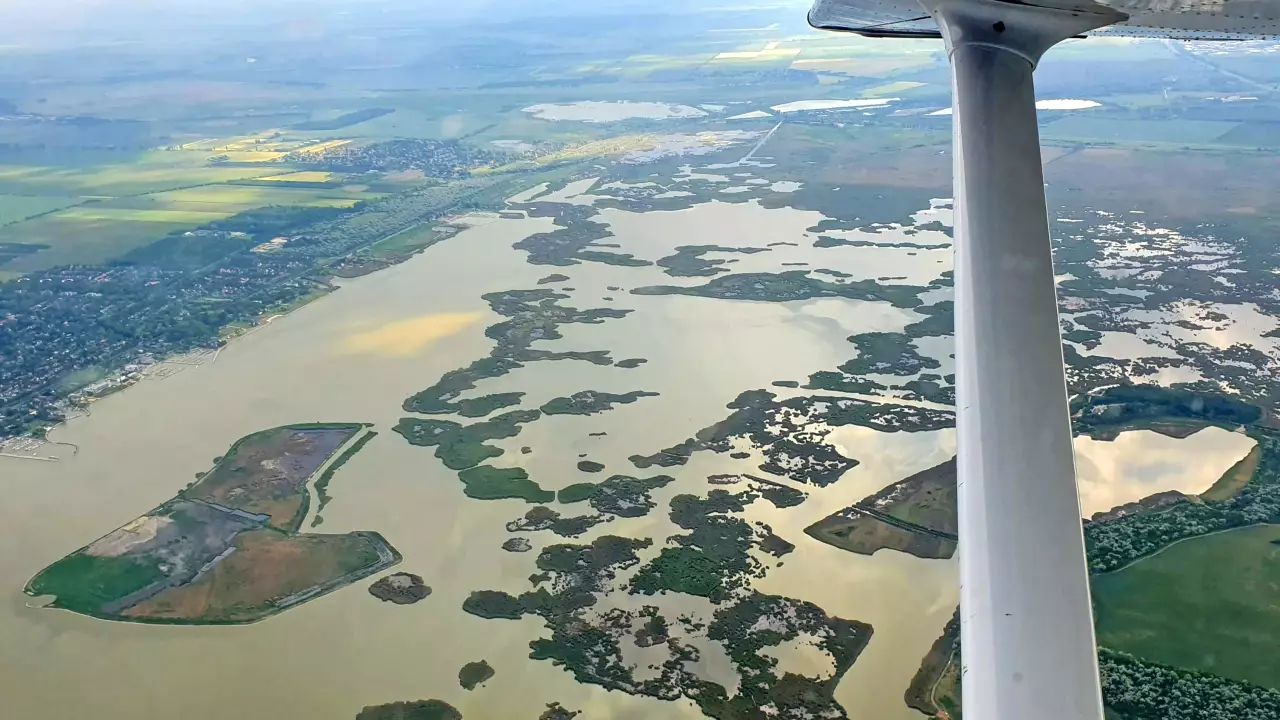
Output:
x=226 y=550
x=916 y=515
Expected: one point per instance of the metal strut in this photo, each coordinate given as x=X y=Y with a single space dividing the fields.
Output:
x=1026 y=620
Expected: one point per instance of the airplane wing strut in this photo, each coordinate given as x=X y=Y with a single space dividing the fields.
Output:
x=1026 y=616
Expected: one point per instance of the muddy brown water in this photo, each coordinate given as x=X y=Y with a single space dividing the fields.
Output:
x=354 y=356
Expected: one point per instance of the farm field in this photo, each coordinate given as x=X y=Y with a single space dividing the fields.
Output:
x=1107 y=129
x=53 y=215
x=1253 y=134
x=147 y=172
x=15 y=208
x=1207 y=604
x=303 y=176
x=63 y=240
x=231 y=199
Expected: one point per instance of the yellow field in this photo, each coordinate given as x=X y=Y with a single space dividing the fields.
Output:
x=217 y=145
x=252 y=156
x=336 y=202
x=892 y=88
x=248 y=195
x=766 y=53
x=238 y=198
x=265 y=146
x=863 y=66
x=322 y=146
x=208 y=145
x=153 y=171
x=302 y=176
x=596 y=148
x=96 y=212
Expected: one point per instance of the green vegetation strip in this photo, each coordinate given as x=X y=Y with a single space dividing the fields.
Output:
x=1136 y=689
x=322 y=484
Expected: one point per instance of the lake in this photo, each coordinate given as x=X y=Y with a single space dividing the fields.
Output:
x=354 y=356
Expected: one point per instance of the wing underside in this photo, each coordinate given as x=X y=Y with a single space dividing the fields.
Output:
x=1178 y=19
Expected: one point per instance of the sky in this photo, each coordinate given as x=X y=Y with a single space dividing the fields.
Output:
x=95 y=21
x=72 y=23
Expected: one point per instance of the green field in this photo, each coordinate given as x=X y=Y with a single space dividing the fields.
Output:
x=1079 y=126
x=407 y=241
x=231 y=199
x=14 y=208
x=893 y=88
x=99 y=211
x=137 y=174
x=1253 y=134
x=1210 y=604
x=407 y=124
x=82 y=580
x=81 y=240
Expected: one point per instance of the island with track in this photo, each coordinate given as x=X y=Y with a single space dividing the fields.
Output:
x=916 y=515
x=226 y=550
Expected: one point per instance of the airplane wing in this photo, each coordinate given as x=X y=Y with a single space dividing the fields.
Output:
x=1177 y=19
x=1025 y=609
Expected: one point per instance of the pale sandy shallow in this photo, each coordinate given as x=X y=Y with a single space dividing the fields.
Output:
x=354 y=356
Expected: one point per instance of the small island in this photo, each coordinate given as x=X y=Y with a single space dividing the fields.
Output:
x=590 y=466
x=689 y=261
x=590 y=402
x=490 y=483
x=400 y=588
x=790 y=285
x=464 y=446
x=620 y=495
x=415 y=710
x=227 y=549
x=556 y=711
x=544 y=518
x=517 y=545
x=653 y=631
x=474 y=674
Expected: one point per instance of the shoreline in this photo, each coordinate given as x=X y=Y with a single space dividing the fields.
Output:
x=319 y=591
x=328 y=283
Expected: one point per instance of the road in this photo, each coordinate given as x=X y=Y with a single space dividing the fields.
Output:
x=759 y=145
